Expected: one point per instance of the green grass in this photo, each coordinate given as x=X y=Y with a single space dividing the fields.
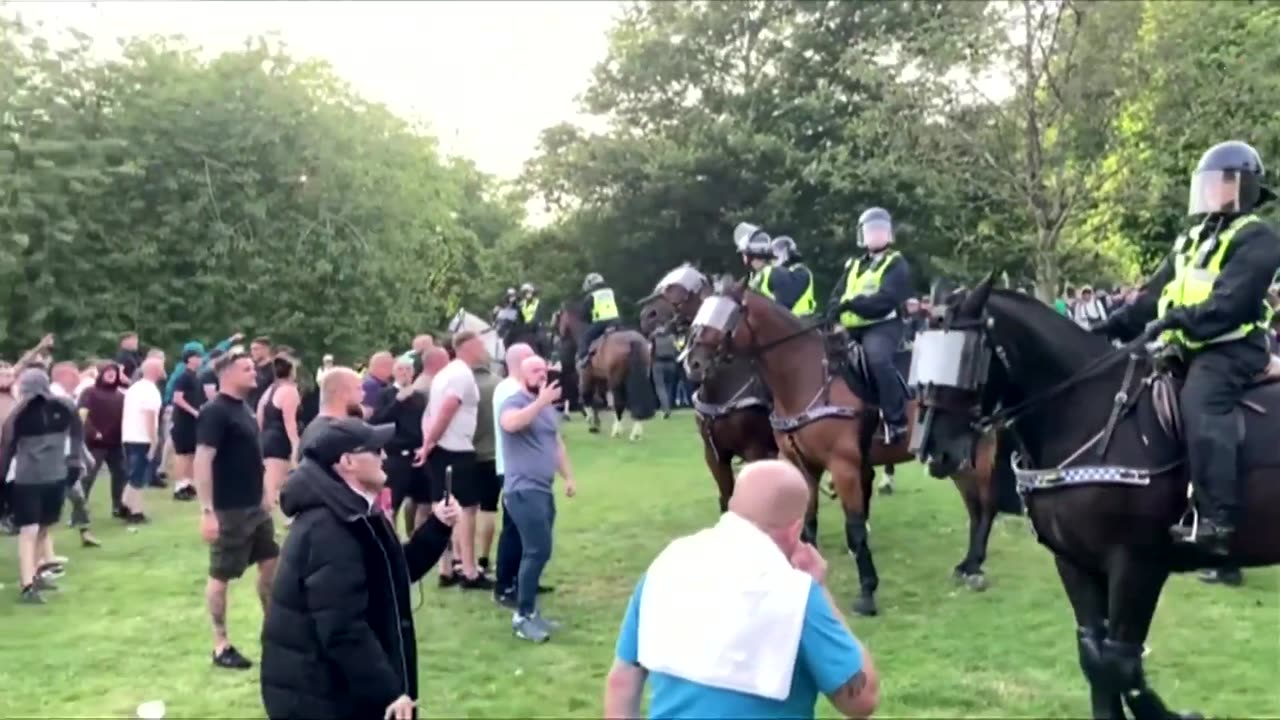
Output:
x=130 y=626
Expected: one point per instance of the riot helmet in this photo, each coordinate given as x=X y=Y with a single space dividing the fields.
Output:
x=752 y=242
x=1228 y=179
x=875 y=229
x=593 y=281
x=785 y=250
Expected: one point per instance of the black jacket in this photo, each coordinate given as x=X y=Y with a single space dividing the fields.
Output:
x=406 y=414
x=338 y=639
x=789 y=283
x=1238 y=292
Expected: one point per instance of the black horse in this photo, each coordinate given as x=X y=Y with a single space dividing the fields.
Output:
x=1100 y=464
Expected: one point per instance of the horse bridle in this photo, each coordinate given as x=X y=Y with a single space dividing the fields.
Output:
x=723 y=350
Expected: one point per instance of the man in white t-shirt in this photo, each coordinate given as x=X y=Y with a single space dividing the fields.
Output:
x=448 y=428
x=139 y=429
x=507 y=564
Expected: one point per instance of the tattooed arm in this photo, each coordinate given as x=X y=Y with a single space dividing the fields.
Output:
x=847 y=675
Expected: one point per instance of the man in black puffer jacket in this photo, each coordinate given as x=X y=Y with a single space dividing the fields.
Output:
x=338 y=639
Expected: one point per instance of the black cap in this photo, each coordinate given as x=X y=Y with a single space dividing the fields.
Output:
x=190 y=353
x=343 y=436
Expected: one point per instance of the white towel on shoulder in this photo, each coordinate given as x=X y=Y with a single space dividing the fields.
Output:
x=724 y=608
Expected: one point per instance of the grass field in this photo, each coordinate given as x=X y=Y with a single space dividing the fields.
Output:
x=129 y=624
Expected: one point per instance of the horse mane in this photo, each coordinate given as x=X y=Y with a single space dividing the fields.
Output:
x=1064 y=343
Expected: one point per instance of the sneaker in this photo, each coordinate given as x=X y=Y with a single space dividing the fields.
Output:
x=30 y=595
x=185 y=493
x=506 y=600
x=547 y=622
x=44 y=584
x=479 y=582
x=88 y=540
x=449 y=580
x=137 y=519
x=231 y=659
x=483 y=564
x=51 y=570
x=529 y=628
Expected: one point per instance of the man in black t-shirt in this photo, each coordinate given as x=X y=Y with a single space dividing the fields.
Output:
x=188 y=396
x=233 y=520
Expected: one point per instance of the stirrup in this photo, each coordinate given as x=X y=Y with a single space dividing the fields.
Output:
x=1189 y=523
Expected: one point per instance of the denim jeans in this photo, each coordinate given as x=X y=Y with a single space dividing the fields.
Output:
x=534 y=513
x=507 y=567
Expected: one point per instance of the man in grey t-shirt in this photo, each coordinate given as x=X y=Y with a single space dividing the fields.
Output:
x=532 y=453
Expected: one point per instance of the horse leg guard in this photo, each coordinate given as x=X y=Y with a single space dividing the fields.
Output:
x=855 y=535
x=809 y=533
x=1104 y=705
x=1123 y=672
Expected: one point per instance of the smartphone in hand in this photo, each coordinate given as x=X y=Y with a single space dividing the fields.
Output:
x=448 y=483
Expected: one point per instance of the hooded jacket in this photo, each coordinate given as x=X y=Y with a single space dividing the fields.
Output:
x=104 y=411
x=43 y=437
x=338 y=639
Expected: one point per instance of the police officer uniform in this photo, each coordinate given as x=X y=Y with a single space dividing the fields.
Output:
x=1208 y=297
x=529 y=305
x=866 y=300
x=775 y=269
x=506 y=314
x=601 y=308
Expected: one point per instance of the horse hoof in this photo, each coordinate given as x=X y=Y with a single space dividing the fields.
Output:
x=976 y=582
x=1189 y=715
x=865 y=605
x=594 y=430
x=886 y=488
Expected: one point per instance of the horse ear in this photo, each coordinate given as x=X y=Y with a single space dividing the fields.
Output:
x=977 y=298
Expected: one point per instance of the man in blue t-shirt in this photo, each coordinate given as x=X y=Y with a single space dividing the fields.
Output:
x=765 y=515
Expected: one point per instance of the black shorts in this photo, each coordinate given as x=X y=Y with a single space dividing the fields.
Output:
x=464 y=489
x=400 y=474
x=246 y=536
x=276 y=445
x=183 y=434
x=36 y=504
x=488 y=484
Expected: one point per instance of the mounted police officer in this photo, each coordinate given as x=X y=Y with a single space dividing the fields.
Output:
x=529 y=302
x=776 y=270
x=1208 y=298
x=599 y=308
x=506 y=314
x=866 y=299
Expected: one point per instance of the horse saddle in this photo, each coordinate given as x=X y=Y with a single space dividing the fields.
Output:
x=595 y=344
x=1257 y=417
x=856 y=371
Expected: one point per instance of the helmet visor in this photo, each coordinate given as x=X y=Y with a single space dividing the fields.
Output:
x=742 y=234
x=1214 y=191
x=876 y=233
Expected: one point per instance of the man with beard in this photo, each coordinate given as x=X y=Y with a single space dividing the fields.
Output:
x=338 y=639
x=234 y=519
x=377 y=379
x=339 y=398
x=261 y=351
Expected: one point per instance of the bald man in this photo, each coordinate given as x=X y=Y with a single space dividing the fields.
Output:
x=750 y=590
x=509 y=546
x=433 y=361
x=376 y=379
x=401 y=405
x=339 y=398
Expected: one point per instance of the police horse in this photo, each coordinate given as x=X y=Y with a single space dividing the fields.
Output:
x=617 y=372
x=826 y=421
x=1100 y=464
x=463 y=320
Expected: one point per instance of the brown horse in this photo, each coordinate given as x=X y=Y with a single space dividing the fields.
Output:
x=731 y=406
x=618 y=369
x=822 y=422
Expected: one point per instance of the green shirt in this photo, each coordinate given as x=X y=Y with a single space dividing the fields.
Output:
x=484 y=440
x=1061 y=306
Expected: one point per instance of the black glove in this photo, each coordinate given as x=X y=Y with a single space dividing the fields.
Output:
x=1157 y=326
x=833 y=312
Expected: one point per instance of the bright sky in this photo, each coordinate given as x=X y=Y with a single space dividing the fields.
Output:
x=488 y=76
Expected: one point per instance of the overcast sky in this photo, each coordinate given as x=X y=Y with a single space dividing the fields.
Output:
x=487 y=75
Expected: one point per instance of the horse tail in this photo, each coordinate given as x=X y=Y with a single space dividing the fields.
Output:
x=642 y=399
x=1006 y=483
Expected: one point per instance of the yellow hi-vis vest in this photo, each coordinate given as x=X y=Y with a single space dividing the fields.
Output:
x=529 y=310
x=864 y=281
x=603 y=306
x=1195 y=271
x=805 y=305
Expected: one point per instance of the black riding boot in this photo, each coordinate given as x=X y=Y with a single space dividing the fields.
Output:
x=1215 y=476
